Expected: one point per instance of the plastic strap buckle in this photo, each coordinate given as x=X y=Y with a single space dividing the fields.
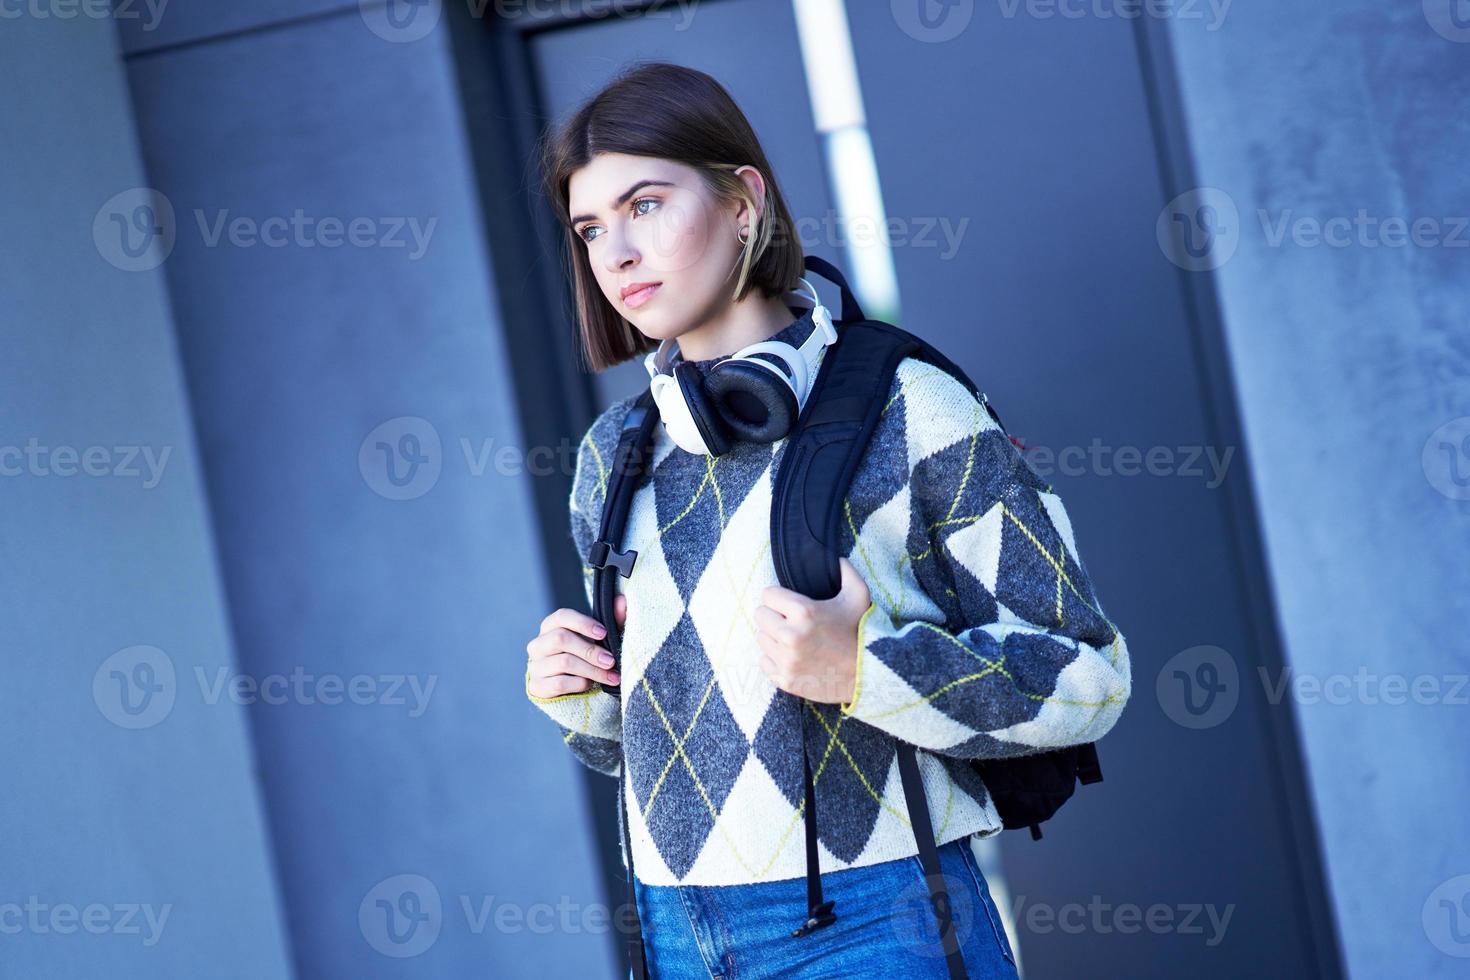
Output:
x=602 y=554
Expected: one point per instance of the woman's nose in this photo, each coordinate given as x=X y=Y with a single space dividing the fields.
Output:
x=619 y=253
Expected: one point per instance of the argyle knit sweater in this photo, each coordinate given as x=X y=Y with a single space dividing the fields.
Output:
x=983 y=639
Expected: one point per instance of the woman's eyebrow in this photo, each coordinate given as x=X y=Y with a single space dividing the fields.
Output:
x=622 y=198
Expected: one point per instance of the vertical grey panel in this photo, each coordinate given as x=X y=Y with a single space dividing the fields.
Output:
x=1354 y=359
x=1029 y=137
x=751 y=48
x=132 y=843
x=353 y=402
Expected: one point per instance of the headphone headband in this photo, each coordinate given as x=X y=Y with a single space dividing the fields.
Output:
x=781 y=396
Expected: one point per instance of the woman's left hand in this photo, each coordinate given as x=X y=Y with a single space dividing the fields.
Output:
x=810 y=645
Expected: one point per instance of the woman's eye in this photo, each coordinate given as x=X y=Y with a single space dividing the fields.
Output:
x=585 y=233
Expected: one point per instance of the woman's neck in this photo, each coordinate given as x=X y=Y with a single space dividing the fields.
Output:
x=747 y=322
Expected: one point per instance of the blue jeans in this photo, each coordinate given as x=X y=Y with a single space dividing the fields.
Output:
x=885 y=926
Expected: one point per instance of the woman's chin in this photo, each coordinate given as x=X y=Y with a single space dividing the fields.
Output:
x=656 y=327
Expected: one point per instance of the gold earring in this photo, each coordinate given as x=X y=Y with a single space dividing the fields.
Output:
x=743 y=240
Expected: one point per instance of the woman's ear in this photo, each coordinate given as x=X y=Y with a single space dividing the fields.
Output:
x=755 y=184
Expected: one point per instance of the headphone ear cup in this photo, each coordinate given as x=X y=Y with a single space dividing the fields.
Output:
x=717 y=435
x=755 y=404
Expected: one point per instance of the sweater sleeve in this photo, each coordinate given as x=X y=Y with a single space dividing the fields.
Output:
x=1034 y=664
x=591 y=721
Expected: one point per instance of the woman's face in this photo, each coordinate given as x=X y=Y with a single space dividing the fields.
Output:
x=648 y=220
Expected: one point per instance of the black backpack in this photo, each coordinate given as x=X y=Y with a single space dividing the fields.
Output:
x=822 y=454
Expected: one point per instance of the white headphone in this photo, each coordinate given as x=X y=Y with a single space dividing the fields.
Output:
x=744 y=397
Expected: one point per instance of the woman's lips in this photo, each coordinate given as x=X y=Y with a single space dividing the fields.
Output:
x=635 y=300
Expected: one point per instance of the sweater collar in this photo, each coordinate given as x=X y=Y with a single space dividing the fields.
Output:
x=794 y=333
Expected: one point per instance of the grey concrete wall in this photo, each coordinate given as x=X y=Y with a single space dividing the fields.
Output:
x=1351 y=347
x=1022 y=174
x=352 y=397
x=132 y=839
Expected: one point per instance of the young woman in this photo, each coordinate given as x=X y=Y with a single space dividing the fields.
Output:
x=965 y=626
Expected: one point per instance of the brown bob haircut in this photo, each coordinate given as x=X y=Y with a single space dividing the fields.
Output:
x=657 y=109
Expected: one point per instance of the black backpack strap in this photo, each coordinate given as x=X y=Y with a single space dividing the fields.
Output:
x=918 y=807
x=830 y=435
x=836 y=424
x=822 y=454
x=629 y=462
x=851 y=311
x=636 y=956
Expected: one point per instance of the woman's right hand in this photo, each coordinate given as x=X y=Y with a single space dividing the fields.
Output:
x=565 y=657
